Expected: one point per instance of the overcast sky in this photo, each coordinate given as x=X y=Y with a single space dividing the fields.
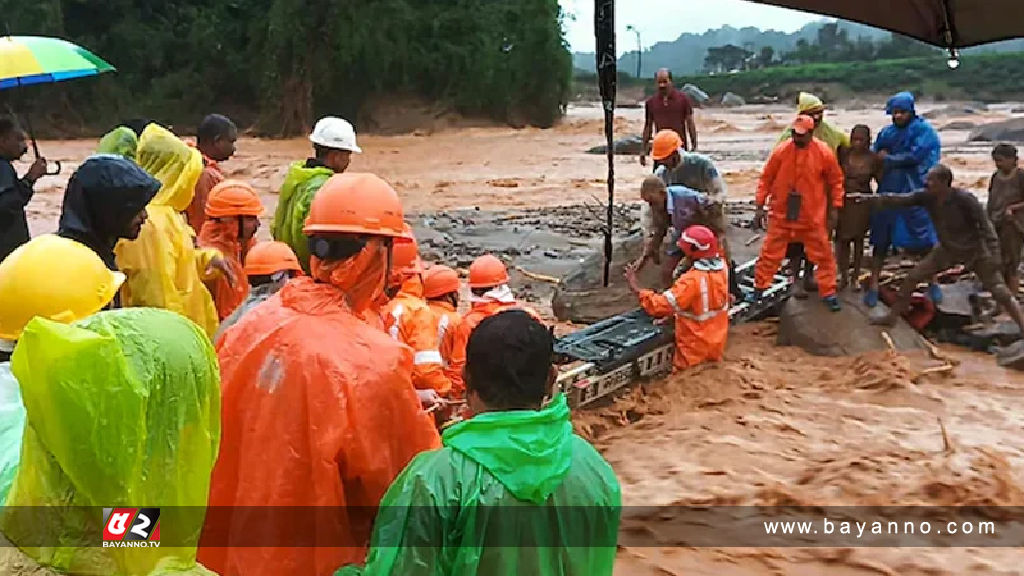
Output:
x=660 y=20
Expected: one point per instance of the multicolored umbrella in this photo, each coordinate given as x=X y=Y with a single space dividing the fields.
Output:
x=27 y=60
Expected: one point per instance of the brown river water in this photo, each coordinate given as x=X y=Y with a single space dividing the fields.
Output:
x=767 y=426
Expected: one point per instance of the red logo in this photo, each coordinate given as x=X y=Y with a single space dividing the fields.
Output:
x=131 y=524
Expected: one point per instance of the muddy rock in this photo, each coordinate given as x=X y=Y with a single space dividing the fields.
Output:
x=628 y=146
x=697 y=96
x=959 y=125
x=730 y=100
x=809 y=325
x=1006 y=131
x=956 y=110
x=581 y=297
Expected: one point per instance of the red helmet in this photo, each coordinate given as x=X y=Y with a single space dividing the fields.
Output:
x=698 y=242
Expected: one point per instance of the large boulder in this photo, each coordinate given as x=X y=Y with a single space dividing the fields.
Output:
x=697 y=96
x=628 y=146
x=809 y=325
x=1006 y=131
x=730 y=100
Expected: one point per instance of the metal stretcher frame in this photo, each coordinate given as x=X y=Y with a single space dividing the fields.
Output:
x=630 y=347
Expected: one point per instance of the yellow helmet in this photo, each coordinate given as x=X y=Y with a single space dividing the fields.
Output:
x=53 y=277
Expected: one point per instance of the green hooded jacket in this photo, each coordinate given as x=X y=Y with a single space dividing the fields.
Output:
x=297 y=192
x=510 y=493
x=120 y=141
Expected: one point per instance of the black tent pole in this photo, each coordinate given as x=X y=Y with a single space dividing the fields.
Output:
x=604 y=33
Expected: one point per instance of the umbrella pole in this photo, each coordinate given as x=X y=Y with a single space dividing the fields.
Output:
x=604 y=33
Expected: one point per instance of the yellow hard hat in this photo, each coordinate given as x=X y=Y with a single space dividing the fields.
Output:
x=53 y=277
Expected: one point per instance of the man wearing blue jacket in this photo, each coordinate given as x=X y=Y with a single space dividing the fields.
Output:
x=909 y=148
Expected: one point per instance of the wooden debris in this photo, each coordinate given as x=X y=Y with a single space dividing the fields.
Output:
x=888 y=341
x=752 y=239
x=947 y=446
x=535 y=276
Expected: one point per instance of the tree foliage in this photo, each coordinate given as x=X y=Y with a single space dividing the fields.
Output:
x=282 y=63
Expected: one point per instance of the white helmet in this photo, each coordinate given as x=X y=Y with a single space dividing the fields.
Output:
x=334 y=132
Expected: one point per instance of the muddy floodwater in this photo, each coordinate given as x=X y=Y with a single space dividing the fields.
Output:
x=768 y=426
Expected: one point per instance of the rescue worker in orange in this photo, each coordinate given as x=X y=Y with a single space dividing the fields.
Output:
x=699 y=300
x=318 y=409
x=489 y=295
x=408 y=319
x=215 y=139
x=801 y=178
x=441 y=288
x=233 y=211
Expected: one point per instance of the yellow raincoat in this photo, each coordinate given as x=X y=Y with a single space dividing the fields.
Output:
x=164 y=267
x=824 y=131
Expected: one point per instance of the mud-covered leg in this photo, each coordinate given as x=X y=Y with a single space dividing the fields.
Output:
x=858 y=261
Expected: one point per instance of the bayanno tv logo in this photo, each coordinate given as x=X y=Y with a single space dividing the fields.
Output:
x=131 y=527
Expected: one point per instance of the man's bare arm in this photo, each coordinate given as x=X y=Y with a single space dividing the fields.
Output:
x=691 y=128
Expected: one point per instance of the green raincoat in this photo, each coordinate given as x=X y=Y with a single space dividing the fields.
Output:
x=293 y=202
x=121 y=141
x=511 y=493
x=823 y=131
x=123 y=410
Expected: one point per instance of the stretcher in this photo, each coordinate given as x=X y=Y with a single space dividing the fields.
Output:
x=609 y=356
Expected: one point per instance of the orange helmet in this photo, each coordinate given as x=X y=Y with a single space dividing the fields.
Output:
x=440 y=280
x=698 y=242
x=487 y=271
x=233 y=198
x=405 y=254
x=354 y=203
x=268 y=258
x=666 y=143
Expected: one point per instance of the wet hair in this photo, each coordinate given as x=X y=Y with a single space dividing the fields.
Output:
x=212 y=127
x=8 y=125
x=136 y=125
x=944 y=173
x=508 y=361
x=652 y=184
x=1004 y=151
x=861 y=128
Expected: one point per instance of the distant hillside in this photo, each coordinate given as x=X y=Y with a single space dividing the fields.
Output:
x=980 y=77
x=685 y=55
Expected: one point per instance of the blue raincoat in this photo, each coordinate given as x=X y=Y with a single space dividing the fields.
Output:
x=912 y=151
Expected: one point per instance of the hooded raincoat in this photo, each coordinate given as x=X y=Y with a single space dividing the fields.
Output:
x=164 y=267
x=102 y=198
x=120 y=141
x=824 y=131
x=222 y=236
x=447 y=321
x=149 y=381
x=510 y=493
x=320 y=416
x=911 y=151
x=408 y=320
x=294 y=200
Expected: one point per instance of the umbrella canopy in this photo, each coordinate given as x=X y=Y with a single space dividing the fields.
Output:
x=944 y=23
x=26 y=60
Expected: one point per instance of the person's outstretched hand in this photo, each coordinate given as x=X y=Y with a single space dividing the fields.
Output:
x=220 y=265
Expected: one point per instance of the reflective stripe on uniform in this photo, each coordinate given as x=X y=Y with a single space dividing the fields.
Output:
x=427 y=357
x=397 y=315
x=704 y=300
x=442 y=327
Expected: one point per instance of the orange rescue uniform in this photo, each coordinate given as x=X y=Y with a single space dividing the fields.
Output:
x=222 y=235
x=447 y=322
x=208 y=179
x=479 y=312
x=408 y=319
x=700 y=302
x=814 y=174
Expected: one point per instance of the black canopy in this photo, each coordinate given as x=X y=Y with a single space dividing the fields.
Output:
x=943 y=23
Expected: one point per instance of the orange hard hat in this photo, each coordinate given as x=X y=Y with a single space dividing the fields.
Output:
x=487 y=271
x=268 y=258
x=233 y=198
x=803 y=124
x=666 y=143
x=405 y=254
x=354 y=203
x=440 y=280
x=698 y=242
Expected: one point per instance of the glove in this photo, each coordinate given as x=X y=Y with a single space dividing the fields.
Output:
x=759 y=218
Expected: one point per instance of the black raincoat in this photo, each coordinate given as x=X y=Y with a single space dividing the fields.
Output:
x=14 y=195
x=102 y=198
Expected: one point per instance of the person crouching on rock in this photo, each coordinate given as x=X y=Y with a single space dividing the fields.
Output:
x=699 y=300
x=801 y=179
x=966 y=236
x=678 y=207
